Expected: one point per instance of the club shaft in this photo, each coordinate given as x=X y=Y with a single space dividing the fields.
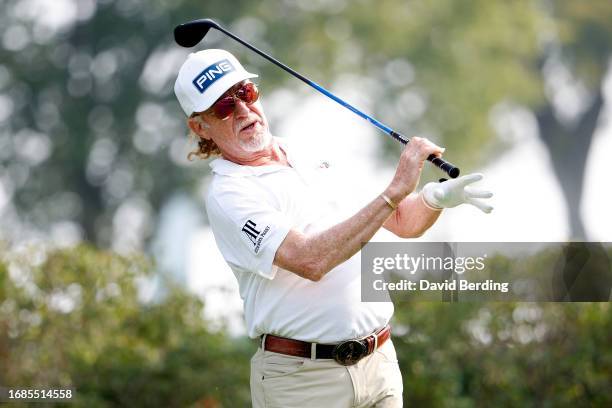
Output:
x=318 y=87
x=449 y=168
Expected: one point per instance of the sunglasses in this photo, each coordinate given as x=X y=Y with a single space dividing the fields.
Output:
x=224 y=106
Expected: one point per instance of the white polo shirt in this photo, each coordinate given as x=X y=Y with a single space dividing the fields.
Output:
x=251 y=210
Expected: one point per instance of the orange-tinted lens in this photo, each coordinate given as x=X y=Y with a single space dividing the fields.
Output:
x=248 y=93
x=224 y=107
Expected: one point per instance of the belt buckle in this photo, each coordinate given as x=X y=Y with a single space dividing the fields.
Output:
x=349 y=352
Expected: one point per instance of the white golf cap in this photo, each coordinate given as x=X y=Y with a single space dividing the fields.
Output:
x=205 y=76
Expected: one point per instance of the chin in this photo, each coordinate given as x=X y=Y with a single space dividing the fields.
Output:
x=257 y=143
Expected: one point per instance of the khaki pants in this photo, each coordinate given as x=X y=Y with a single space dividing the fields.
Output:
x=278 y=380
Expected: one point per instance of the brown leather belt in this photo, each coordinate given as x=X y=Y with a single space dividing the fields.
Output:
x=346 y=353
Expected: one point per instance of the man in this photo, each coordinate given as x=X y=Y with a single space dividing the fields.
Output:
x=295 y=259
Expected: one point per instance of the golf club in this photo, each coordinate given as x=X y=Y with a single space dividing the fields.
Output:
x=191 y=33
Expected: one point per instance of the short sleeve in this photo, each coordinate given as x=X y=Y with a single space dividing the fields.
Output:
x=247 y=228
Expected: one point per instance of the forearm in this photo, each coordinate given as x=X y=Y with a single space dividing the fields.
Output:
x=412 y=217
x=313 y=255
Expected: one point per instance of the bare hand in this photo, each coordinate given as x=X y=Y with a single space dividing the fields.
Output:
x=410 y=167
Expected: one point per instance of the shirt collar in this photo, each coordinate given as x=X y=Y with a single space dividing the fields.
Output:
x=225 y=167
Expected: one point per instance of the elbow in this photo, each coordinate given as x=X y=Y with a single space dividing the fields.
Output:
x=315 y=277
x=418 y=233
x=314 y=271
x=314 y=265
x=410 y=233
x=306 y=270
x=298 y=255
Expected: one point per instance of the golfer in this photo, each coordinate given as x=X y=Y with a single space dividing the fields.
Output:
x=277 y=222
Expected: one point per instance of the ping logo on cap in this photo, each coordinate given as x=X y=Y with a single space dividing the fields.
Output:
x=212 y=73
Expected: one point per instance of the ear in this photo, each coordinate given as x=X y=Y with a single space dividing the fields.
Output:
x=198 y=126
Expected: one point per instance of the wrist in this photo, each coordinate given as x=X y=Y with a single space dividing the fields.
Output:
x=395 y=195
x=389 y=202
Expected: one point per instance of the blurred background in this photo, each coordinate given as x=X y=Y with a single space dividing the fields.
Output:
x=110 y=280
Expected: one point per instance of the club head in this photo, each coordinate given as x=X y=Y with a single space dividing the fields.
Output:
x=191 y=33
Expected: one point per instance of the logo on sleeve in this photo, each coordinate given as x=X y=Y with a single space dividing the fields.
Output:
x=254 y=235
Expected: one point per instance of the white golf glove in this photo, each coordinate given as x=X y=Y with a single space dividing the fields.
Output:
x=451 y=193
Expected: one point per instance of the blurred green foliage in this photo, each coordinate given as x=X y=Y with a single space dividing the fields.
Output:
x=506 y=354
x=73 y=317
x=88 y=120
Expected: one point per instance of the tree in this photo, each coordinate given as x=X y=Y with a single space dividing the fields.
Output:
x=582 y=48
x=74 y=318
x=91 y=126
x=91 y=131
x=504 y=354
x=461 y=60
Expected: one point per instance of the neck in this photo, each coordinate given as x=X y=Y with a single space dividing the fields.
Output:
x=272 y=154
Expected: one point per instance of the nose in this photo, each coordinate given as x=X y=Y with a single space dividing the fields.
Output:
x=241 y=108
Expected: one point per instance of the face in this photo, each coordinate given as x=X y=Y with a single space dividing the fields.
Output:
x=243 y=136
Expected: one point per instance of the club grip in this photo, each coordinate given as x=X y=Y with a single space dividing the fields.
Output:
x=449 y=168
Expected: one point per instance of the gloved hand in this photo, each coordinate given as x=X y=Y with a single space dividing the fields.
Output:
x=451 y=193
